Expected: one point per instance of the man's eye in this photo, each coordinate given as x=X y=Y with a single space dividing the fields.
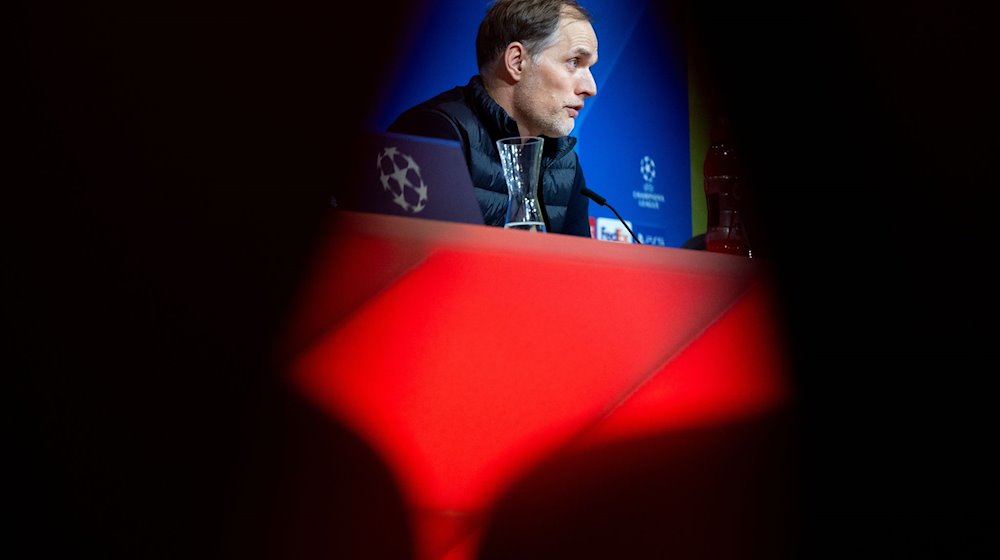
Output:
x=574 y=62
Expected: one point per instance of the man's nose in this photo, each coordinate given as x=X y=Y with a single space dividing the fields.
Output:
x=587 y=85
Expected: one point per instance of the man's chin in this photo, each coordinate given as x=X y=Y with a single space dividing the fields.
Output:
x=559 y=128
x=565 y=129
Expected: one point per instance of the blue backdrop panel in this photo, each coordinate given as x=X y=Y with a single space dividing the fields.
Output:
x=633 y=136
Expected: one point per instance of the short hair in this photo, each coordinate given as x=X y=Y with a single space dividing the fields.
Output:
x=531 y=22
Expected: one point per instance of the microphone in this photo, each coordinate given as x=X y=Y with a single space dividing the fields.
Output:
x=604 y=202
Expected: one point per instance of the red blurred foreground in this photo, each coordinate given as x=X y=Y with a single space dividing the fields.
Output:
x=473 y=358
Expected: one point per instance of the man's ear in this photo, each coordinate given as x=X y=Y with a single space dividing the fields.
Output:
x=514 y=57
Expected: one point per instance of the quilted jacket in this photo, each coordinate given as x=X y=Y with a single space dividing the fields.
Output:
x=468 y=114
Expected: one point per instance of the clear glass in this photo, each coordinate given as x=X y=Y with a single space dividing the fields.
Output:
x=521 y=157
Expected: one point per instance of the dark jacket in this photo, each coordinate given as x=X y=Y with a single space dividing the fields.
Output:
x=468 y=114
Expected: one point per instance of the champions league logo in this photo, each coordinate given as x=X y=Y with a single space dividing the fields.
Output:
x=400 y=176
x=648 y=198
x=647 y=167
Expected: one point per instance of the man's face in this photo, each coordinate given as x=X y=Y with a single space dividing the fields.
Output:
x=555 y=83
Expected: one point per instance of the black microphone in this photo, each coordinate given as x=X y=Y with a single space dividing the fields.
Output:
x=604 y=202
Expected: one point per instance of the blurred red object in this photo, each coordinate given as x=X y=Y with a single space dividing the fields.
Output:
x=467 y=355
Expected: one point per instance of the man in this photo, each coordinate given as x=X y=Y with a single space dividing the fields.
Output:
x=534 y=60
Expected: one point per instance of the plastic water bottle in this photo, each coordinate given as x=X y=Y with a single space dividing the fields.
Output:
x=725 y=194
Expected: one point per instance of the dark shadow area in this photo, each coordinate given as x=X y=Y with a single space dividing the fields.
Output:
x=308 y=488
x=727 y=491
x=867 y=135
x=172 y=166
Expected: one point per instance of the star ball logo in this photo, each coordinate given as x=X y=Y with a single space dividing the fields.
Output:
x=647 y=167
x=400 y=177
x=648 y=197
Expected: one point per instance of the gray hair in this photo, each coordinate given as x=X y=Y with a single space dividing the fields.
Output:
x=530 y=22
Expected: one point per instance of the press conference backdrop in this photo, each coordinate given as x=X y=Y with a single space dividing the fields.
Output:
x=633 y=137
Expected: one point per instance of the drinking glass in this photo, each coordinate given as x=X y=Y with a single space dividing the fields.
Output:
x=521 y=158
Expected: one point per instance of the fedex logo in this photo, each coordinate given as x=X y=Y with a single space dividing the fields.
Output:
x=609 y=229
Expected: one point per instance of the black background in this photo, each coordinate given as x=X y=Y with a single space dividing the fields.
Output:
x=172 y=173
